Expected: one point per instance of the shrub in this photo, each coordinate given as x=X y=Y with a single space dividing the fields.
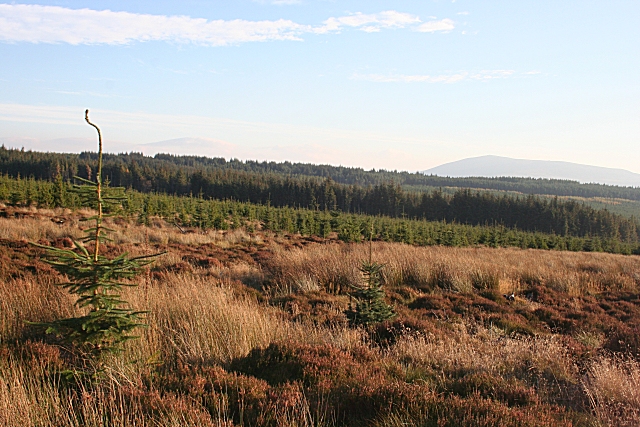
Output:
x=625 y=340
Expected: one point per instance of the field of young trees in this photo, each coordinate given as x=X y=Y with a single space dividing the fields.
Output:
x=602 y=233
x=413 y=195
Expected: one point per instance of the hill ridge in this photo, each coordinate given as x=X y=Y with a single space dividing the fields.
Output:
x=499 y=166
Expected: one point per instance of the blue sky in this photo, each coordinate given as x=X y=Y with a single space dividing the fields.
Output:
x=403 y=85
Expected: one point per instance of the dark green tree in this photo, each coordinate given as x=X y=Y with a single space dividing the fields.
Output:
x=95 y=279
x=59 y=192
x=370 y=307
x=349 y=231
x=17 y=193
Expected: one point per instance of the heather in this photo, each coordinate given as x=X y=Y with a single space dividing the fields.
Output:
x=251 y=328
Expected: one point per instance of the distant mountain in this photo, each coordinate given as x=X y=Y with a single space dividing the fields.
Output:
x=494 y=166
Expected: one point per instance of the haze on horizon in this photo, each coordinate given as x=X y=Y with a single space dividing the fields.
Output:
x=403 y=85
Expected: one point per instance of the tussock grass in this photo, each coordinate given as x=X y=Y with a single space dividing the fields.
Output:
x=194 y=319
x=38 y=225
x=613 y=387
x=486 y=351
x=334 y=266
x=26 y=299
x=30 y=397
x=35 y=229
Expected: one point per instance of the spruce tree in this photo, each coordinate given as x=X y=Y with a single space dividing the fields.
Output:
x=59 y=191
x=95 y=279
x=370 y=307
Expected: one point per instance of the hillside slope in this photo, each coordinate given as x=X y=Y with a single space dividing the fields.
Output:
x=496 y=166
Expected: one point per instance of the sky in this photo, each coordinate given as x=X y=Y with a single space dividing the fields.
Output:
x=397 y=85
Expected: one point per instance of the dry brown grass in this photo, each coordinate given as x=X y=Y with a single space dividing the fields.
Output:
x=25 y=299
x=470 y=349
x=195 y=318
x=36 y=229
x=613 y=387
x=333 y=266
x=28 y=398
x=37 y=225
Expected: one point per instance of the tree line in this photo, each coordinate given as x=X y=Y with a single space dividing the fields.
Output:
x=145 y=174
x=206 y=214
x=46 y=165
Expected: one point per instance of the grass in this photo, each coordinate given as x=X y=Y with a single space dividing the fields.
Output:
x=249 y=329
x=460 y=269
x=613 y=387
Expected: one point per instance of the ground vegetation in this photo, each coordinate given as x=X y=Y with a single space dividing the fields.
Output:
x=248 y=327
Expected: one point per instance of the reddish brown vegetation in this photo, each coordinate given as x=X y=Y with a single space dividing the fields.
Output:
x=250 y=330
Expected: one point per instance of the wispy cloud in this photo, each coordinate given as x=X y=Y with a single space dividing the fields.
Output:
x=53 y=24
x=443 y=25
x=369 y=22
x=483 y=75
x=492 y=74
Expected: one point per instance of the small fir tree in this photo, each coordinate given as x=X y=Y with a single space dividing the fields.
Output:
x=370 y=307
x=349 y=231
x=17 y=192
x=59 y=191
x=95 y=279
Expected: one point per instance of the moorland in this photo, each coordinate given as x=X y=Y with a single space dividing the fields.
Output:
x=530 y=322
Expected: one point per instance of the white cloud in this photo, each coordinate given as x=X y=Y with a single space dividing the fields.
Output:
x=54 y=24
x=462 y=13
x=369 y=23
x=441 y=78
x=492 y=74
x=433 y=26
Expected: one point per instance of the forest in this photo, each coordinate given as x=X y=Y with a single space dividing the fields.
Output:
x=47 y=165
x=201 y=178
